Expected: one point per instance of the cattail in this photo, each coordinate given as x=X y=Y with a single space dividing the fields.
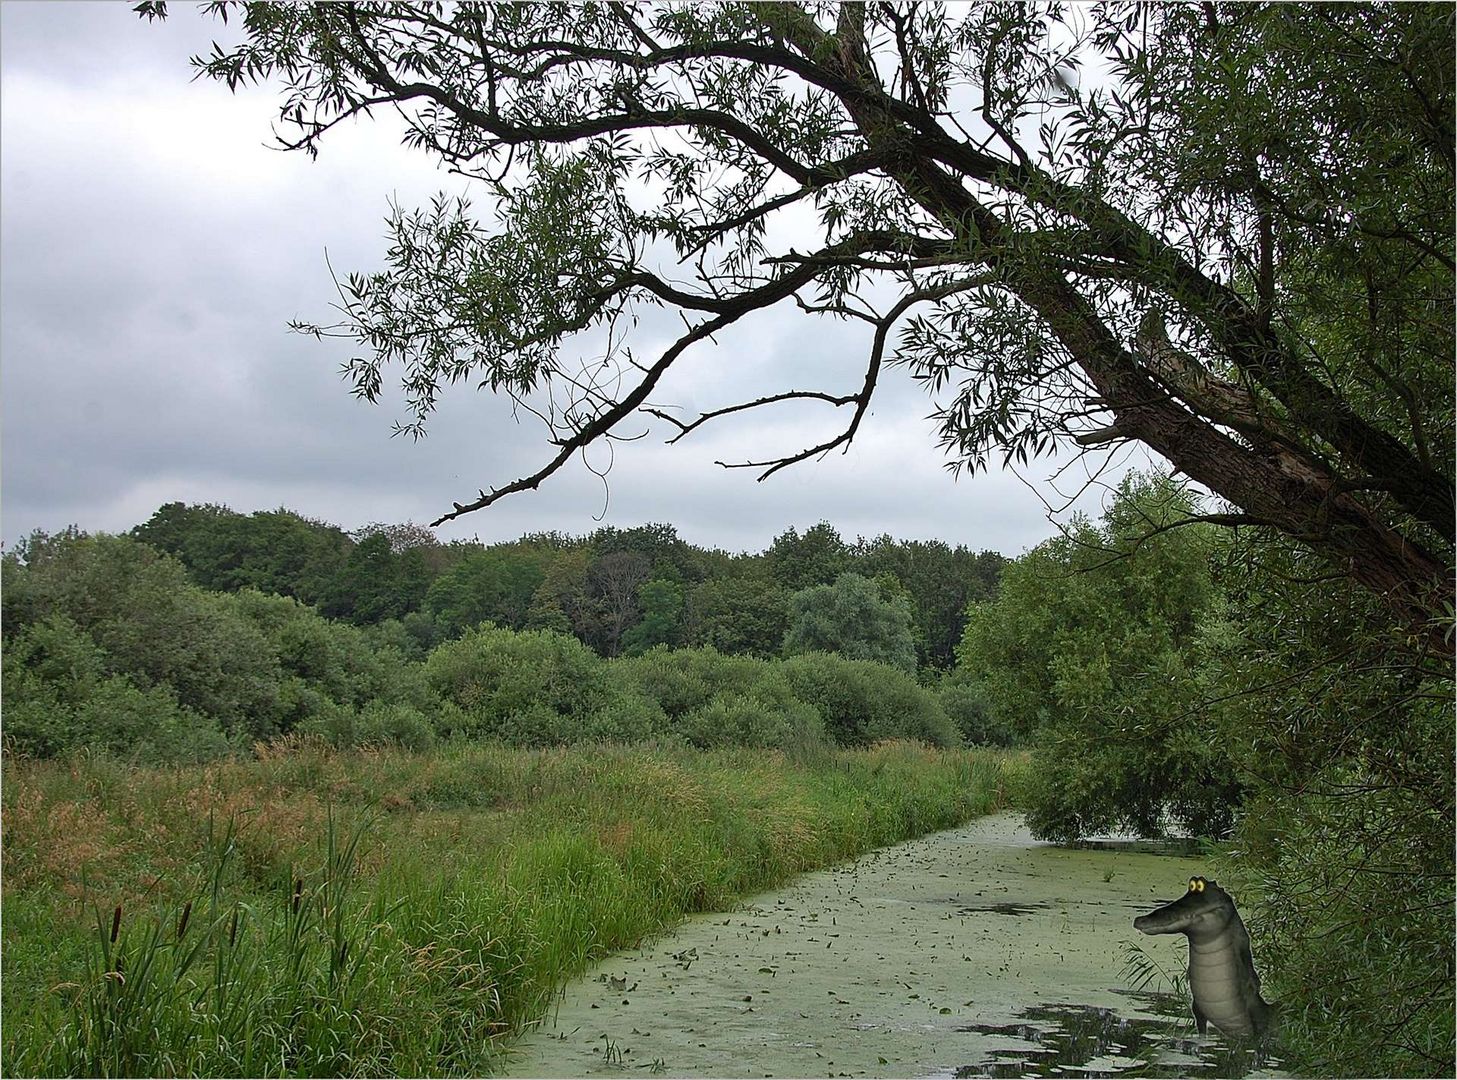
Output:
x=115 y=923
x=298 y=893
x=182 y=922
x=233 y=929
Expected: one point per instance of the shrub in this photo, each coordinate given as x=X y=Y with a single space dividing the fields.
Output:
x=59 y=698
x=347 y=664
x=683 y=680
x=623 y=715
x=532 y=688
x=377 y=724
x=863 y=702
x=967 y=706
x=715 y=700
x=152 y=625
x=760 y=718
x=852 y=618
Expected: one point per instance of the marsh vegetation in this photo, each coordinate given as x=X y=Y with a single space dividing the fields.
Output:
x=321 y=913
x=168 y=743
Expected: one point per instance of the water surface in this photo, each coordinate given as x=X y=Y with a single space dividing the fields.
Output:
x=972 y=952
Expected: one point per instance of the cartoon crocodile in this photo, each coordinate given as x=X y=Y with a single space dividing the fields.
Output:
x=1221 y=970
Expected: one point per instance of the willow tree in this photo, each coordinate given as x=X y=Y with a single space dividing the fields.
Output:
x=1223 y=231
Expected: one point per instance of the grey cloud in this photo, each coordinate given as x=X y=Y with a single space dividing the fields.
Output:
x=152 y=251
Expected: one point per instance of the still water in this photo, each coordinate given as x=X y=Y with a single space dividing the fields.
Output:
x=972 y=952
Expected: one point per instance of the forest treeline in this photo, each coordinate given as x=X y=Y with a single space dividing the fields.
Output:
x=618 y=591
x=204 y=631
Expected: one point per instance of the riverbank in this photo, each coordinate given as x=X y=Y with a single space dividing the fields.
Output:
x=971 y=952
x=390 y=913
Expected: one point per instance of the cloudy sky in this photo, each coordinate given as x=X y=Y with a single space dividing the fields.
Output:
x=153 y=248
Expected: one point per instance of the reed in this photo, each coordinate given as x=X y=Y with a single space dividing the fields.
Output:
x=314 y=913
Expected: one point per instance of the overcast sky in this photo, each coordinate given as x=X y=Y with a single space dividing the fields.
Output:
x=153 y=249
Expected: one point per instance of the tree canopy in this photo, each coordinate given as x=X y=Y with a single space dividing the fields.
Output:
x=1095 y=652
x=852 y=617
x=1222 y=230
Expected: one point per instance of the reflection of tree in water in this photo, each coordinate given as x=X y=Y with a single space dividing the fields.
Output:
x=1074 y=1035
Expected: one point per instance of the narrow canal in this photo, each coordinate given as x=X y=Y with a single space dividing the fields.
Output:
x=973 y=952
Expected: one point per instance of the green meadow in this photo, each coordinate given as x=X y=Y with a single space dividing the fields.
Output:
x=324 y=912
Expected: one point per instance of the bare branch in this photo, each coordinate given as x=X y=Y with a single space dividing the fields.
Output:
x=789 y=395
x=604 y=422
x=861 y=399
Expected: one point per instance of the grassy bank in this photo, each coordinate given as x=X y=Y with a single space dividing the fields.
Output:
x=325 y=913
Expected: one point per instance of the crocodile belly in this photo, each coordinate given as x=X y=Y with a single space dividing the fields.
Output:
x=1223 y=990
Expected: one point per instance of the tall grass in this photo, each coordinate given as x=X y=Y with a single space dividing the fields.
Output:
x=315 y=913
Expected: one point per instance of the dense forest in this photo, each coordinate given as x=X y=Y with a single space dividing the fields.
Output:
x=204 y=631
x=618 y=591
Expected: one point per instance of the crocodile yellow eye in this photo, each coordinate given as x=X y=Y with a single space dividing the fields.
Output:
x=1193 y=884
x=1199 y=884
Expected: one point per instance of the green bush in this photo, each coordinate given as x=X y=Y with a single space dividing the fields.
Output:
x=758 y=718
x=864 y=702
x=534 y=688
x=59 y=698
x=683 y=680
x=622 y=715
x=346 y=664
x=967 y=706
x=152 y=624
x=711 y=699
x=1096 y=653
x=853 y=618
x=377 y=724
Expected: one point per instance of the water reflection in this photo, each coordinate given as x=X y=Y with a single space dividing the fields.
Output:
x=1058 y=1040
x=1182 y=846
x=1005 y=909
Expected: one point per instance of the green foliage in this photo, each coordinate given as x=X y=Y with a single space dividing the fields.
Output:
x=271 y=551
x=376 y=724
x=417 y=593
x=714 y=700
x=345 y=664
x=863 y=702
x=1091 y=652
x=561 y=603
x=969 y=709
x=495 y=585
x=745 y=612
x=172 y=664
x=534 y=688
x=799 y=562
x=59 y=698
x=852 y=618
x=939 y=580
x=1347 y=952
x=668 y=556
x=1177 y=252
x=661 y=603
x=1344 y=735
x=110 y=647
x=769 y=716
x=683 y=680
x=376 y=582
x=153 y=626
